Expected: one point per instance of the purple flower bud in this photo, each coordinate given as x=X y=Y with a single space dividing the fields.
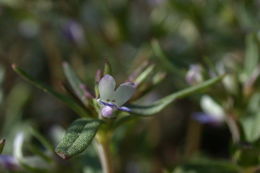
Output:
x=107 y=111
x=194 y=75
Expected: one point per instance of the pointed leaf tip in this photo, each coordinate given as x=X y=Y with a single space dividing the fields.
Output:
x=62 y=155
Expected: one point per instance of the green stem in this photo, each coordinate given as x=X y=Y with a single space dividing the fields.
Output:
x=102 y=145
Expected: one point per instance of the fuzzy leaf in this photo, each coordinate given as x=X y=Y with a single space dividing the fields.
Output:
x=77 y=138
x=157 y=106
x=65 y=99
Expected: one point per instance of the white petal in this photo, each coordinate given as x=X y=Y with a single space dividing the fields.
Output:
x=123 y=93
x=106 y=88
x=212 y=108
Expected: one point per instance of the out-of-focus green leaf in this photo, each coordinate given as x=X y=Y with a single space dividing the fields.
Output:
x=207 y=166
x=254 y=103
x=247 y=155
x=157 y=106
x=15 y=102
x=31 y=163
x=144 y=74
x=2 y=74
x=162 y=57
x=251 y=127
x=158 y=77
x=65 y=99
x=107 y=68
x=2 y=144
x=42 y=139
x=77 y=138
x=251 y=56
x=74 y=82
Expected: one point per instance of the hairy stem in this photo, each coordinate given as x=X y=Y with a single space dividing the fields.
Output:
x=102 y=145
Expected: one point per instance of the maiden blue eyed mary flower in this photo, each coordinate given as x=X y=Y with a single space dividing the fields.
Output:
x=112 y=99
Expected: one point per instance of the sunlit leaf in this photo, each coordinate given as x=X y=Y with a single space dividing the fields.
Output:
x=77 y=138
x=157 y=106
x=251 y=127
x=65 y=99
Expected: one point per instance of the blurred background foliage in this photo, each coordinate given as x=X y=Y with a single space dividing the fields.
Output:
x=221 y=36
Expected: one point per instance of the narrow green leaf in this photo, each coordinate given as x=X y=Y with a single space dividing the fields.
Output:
x=77 y=138
x=65 y=99
x=2 y=144
x=75 y=82
x=144 y=75
x=251 y=55
x=157 y=106
x=250 y=125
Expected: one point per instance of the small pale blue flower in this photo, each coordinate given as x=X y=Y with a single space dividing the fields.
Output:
x=112 y=99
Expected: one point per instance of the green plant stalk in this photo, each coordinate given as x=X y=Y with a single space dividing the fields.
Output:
x=102 y=141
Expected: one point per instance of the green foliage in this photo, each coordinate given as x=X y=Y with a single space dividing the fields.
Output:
x=162 y=103
x=40 y=35
x=252 y=55
x=77 y=138
x=107 y=68
x=207 y=166
x=74 y=81
x=144 y=75
x=65 y=99
x=251 y=128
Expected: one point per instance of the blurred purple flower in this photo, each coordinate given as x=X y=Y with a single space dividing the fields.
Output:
x=74 y=32
x=194 y=75
x=205 y=118
x=9 y=162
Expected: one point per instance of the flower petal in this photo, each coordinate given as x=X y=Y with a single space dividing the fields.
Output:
x=106 y=87
x=123 y=93
x=124 y=108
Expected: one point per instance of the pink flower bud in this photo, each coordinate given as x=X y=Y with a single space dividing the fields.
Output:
x=107 y=111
